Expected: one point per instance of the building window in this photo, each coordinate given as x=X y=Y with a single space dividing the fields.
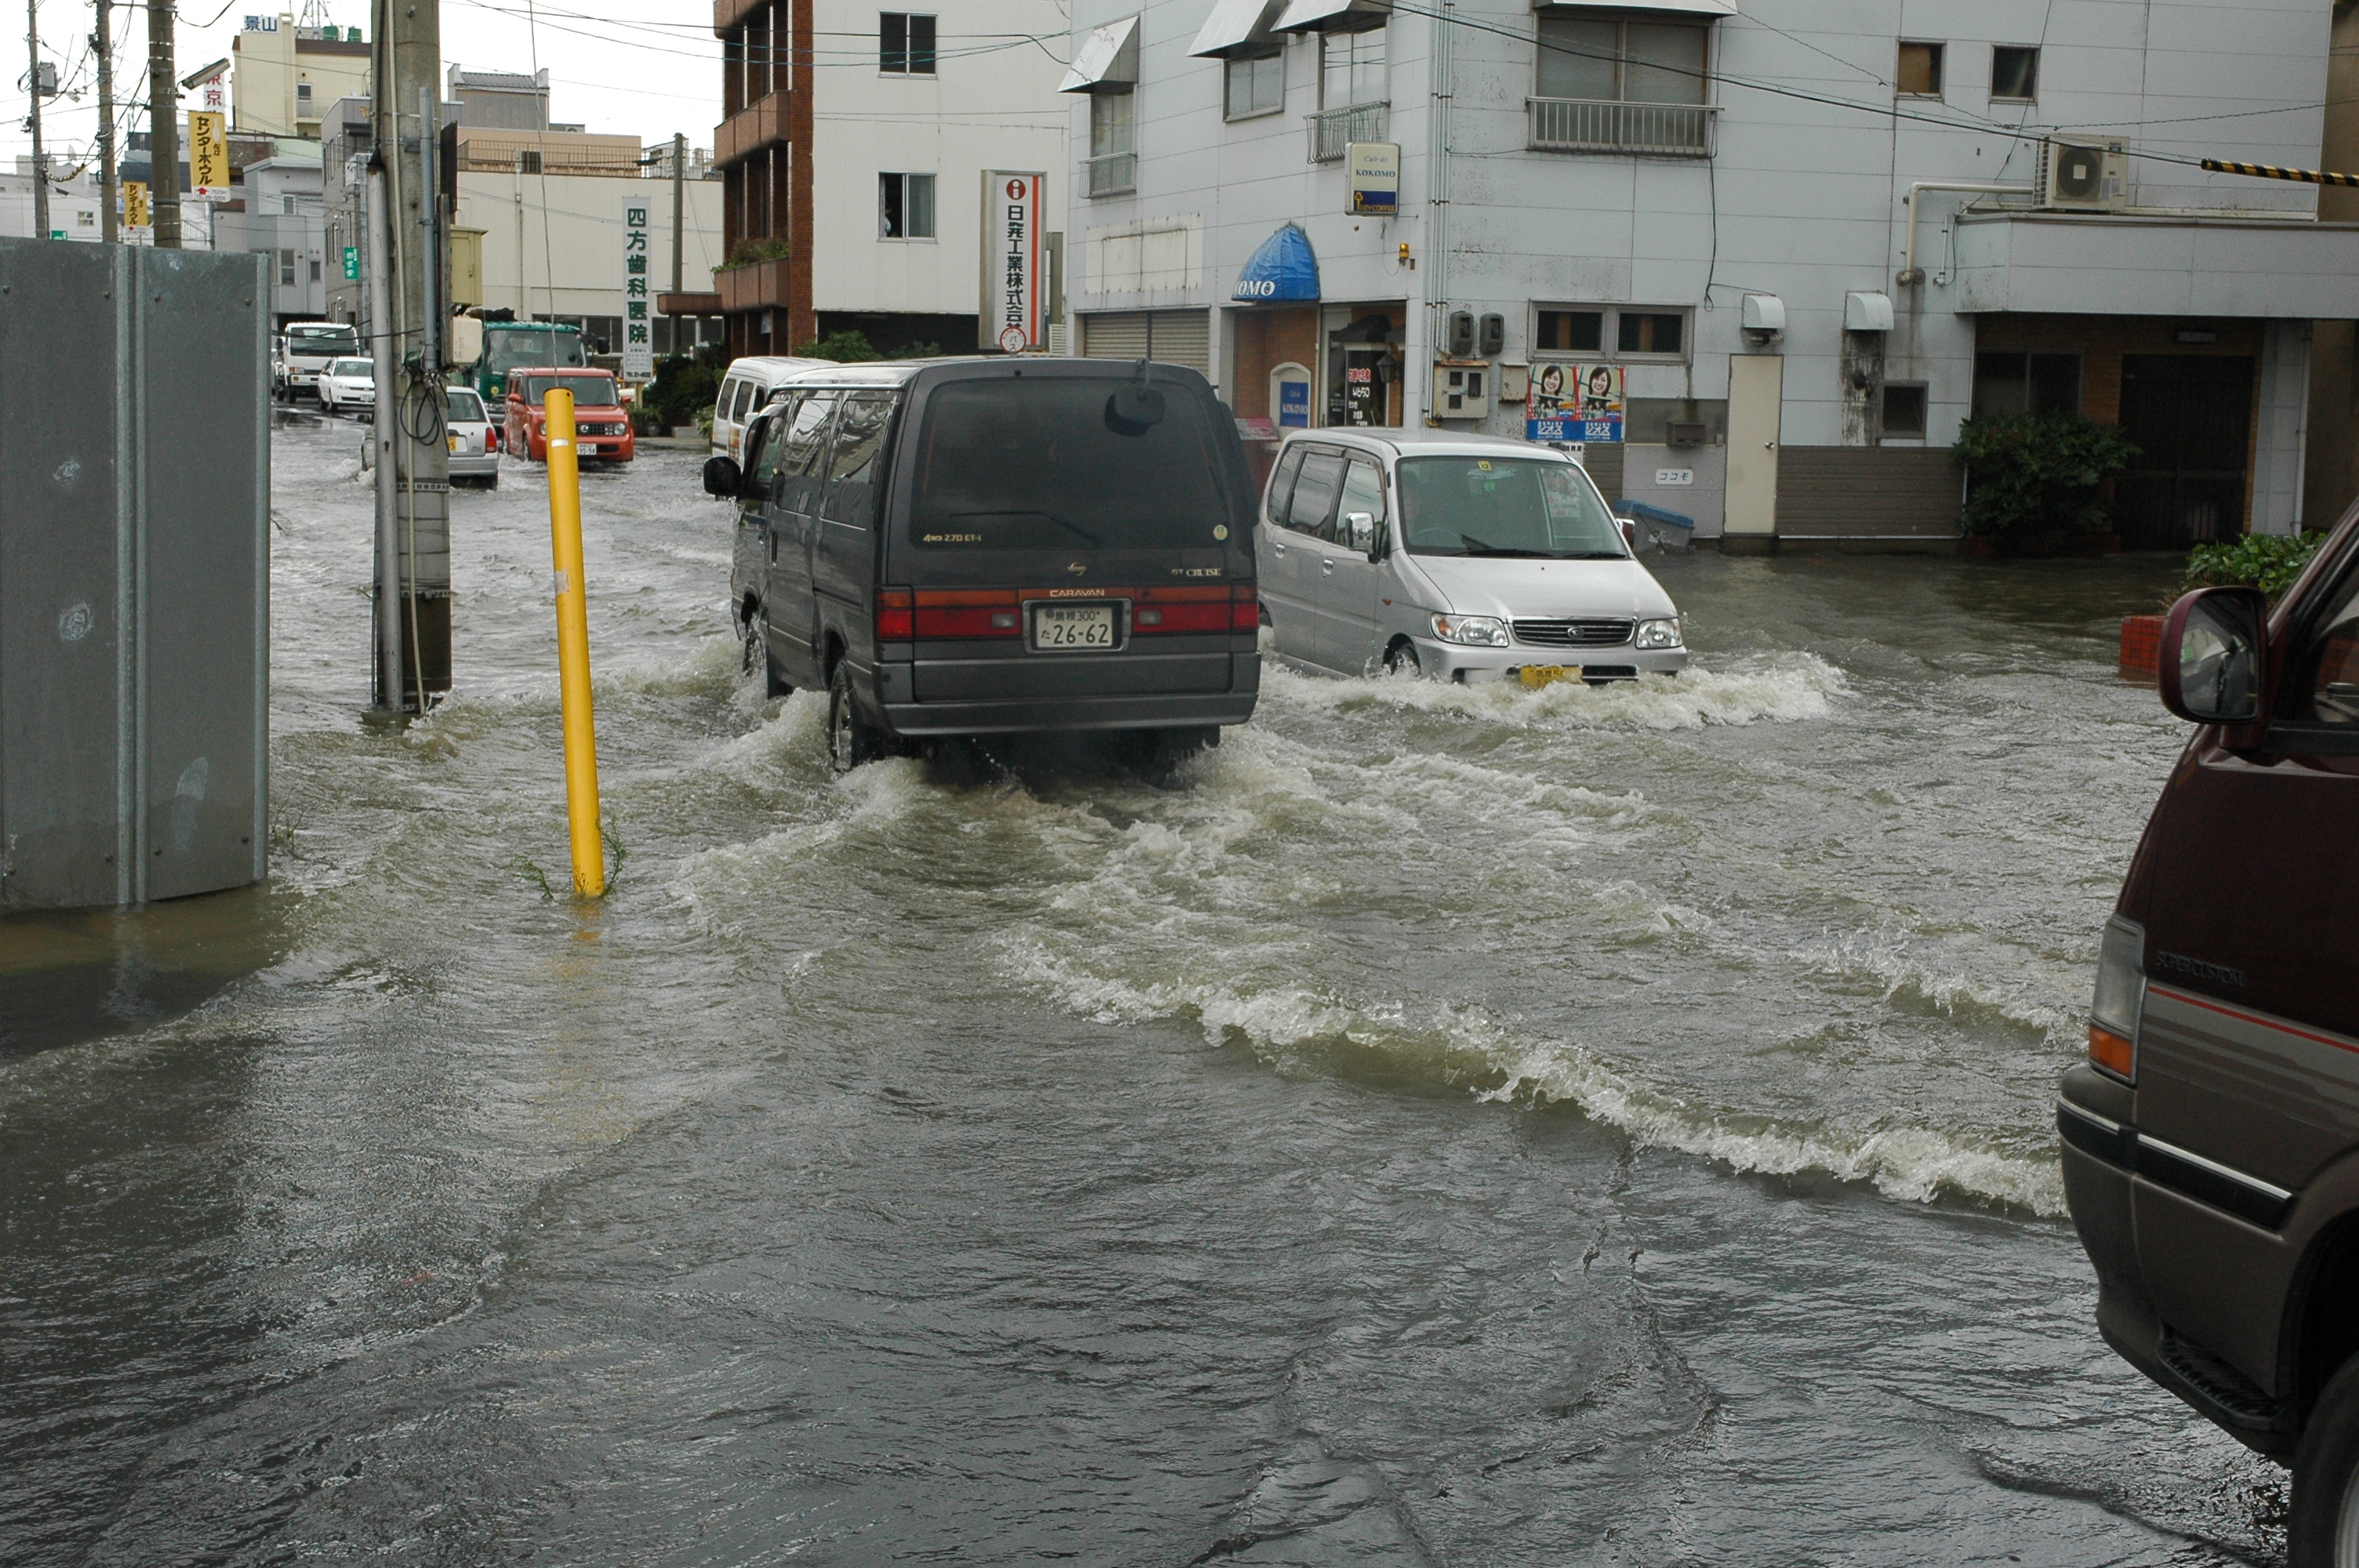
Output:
x=1904 y=410
x=287 y=269
x=1628 y=62
x=1582 y=331
x=303 y=98
x=1113 y=147
x=528 y=160
x=1256 y=86
x=1351 y=69
x=315 y=269
x=905 y=205
x=1920 y=70
x=2015 y=73
x=904 y=44
x=287 y=205
x=2025 y=383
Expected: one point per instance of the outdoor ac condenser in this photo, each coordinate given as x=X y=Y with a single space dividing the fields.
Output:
x=2086 y=176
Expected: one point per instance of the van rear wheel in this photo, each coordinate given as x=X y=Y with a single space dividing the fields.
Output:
x=851 y=740
x=2322 y=1529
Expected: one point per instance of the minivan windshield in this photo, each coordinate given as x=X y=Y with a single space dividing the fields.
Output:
x=1504 y=506
x=589 y=391
x=1045 y=463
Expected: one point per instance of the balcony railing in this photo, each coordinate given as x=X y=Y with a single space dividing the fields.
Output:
x=1336 y=129
x=1601 y=125
x=1110 y=174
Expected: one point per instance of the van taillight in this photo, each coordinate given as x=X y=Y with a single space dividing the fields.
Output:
x=896 y=618
x=1244 y=607
x=968 y=612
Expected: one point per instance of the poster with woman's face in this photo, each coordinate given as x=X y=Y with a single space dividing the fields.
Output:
x=1574 y=403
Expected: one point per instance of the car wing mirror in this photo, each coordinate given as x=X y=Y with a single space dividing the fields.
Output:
x=1360 y=533
x=721 y=476
x=2214 y=663
x=1630 y=533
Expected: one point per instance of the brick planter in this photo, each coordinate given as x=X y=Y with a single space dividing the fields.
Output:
x=2141 y=647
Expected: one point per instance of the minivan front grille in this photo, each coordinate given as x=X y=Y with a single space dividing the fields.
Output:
x=1598 y=634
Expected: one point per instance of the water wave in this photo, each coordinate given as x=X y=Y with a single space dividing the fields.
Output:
x=1777 y=687
x=1466 y=1045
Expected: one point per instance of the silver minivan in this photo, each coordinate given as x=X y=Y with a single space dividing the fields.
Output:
x=1455 y=557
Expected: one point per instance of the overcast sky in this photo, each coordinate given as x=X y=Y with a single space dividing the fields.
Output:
x=644 y=68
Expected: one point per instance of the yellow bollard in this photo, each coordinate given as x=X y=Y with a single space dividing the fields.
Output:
x=573 y=647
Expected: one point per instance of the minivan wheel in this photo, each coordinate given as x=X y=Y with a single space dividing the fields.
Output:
x=851 y=740
x=2323 y=1528
x=1400 y=659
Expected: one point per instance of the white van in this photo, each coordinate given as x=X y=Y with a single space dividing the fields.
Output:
x=745 y=392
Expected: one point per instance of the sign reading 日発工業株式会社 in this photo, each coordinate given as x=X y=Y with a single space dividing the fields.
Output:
x=1015 y=284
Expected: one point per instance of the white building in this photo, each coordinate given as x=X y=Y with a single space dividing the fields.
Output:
x=73 y=203
x=1608 y=194
x=280 y=213
x=855 y=197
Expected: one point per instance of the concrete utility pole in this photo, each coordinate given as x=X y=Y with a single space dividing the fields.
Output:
x=163 y=127
x=40 y=162
x=414 y=454
x=101 y=43
x=679 y=197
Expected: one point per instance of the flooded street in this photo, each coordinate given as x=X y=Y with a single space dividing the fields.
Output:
x=1438 y=1126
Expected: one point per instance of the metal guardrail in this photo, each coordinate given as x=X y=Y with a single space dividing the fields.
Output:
x=1336 y=129
x=1606 y=126
x=1110 y=174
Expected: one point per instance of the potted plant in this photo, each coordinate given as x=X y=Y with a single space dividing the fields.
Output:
x=2036 y=483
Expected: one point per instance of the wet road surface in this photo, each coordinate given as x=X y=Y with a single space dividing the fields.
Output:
x=1436 y=1127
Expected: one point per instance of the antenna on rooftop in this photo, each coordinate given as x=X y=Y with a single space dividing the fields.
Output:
x=315 y=14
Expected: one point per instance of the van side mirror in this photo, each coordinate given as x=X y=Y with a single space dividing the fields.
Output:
x=2214 y=663
x=721 y=476
x=1360 y=532
x=1630 y=533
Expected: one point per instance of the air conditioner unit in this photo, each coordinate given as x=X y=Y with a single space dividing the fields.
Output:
x=2085 y=177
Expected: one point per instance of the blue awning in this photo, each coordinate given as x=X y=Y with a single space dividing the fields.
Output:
x=1282 y=271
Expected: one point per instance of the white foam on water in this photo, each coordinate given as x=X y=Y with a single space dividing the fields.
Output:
x=1463 y=1044
x=1778 y=687
x=1884 y=960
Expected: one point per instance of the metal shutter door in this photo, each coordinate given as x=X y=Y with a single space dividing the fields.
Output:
x=1183 y=338
x=1115 y=335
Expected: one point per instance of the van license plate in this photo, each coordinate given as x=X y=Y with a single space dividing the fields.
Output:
x=1538 y=675
x=1072 y=628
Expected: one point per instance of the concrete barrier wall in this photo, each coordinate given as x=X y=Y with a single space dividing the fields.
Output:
x=135 y=523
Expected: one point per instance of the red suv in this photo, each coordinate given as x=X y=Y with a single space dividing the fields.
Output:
x=602 y=430
x=2211 y=1144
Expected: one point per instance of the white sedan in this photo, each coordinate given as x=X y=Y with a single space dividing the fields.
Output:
x=348 y=385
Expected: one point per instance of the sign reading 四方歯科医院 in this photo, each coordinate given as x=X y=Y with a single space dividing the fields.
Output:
x=1574 y=403
x=1014 y=289
x=638 y=320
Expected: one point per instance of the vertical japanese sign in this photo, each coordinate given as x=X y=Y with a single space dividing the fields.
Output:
x=208 y=155
x=134 y=204
x=1574 y=403
x=638 y=323
x=1015 y=277
x=214 y=92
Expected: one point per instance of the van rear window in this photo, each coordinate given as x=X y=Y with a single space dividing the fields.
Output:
x=1044 y=464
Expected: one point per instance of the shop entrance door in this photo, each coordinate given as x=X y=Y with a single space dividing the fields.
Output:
x=2190 y=416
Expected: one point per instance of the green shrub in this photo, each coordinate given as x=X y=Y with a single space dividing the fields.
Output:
x=2039 y=476
x=752 y=251
x=2266 y=561
x=843 y=348
x=684 y=384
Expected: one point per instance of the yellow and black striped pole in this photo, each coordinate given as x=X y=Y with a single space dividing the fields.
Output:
x=2271 y=171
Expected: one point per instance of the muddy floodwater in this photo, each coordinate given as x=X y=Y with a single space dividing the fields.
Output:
x=1436 y=1126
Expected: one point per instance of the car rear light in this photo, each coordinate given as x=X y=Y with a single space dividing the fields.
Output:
x=1244 y=607
x=968 y=612
x=2120 y=998
x=896 y=620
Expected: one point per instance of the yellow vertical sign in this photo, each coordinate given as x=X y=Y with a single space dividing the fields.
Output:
x=134 y=204
x=208 y=155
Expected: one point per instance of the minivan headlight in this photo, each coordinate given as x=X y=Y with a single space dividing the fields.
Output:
x=2120 y=998
x=1481 y=631
x=1658 y=634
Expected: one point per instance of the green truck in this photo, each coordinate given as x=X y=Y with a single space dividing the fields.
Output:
x=522 y=345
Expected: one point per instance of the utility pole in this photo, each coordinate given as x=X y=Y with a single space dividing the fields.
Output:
x=40 y=162
x=413 y=454
x=678 y=195
x=163 y=127
x=101 y=43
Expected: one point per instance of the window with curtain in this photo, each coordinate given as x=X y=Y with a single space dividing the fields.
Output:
x=1256 y=86
x=1112 y=126
x=1351 y=69
x=1626 y=61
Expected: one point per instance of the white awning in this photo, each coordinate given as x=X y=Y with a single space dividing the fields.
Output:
x=1108 y=57
x=1301 y=15
x=1675 y=7
x=1235 y=24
